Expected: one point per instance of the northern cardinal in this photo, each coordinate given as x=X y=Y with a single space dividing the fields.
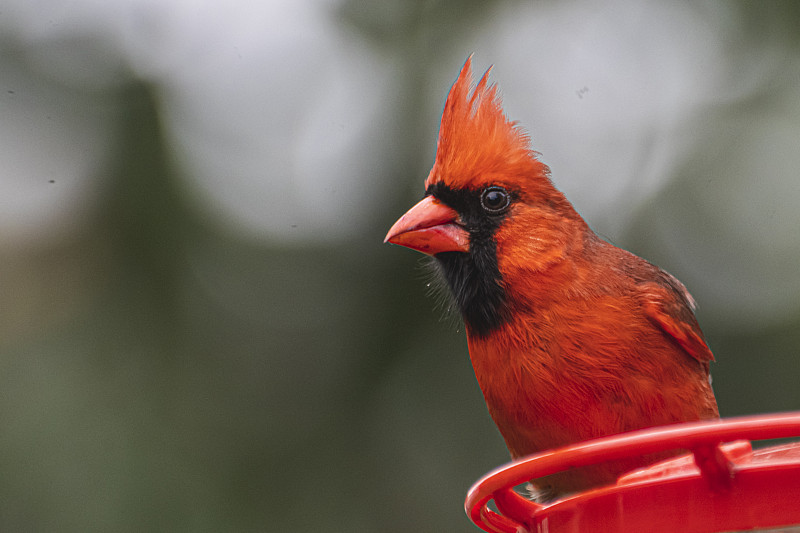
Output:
x=570 y=337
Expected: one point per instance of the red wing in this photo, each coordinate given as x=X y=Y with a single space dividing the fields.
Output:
x=670 y=306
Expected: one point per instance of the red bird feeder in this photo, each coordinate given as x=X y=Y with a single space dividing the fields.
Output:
x=720 y=486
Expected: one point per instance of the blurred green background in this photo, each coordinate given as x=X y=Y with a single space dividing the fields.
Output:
x=200 y=328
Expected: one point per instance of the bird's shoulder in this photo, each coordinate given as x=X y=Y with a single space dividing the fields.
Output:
x=667 y=303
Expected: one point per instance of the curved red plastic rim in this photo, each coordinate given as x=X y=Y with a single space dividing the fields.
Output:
x=764 y=490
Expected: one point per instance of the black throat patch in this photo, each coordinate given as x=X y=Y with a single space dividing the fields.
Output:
x=474 y=278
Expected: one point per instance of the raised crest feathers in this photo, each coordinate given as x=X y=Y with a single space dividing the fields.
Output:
x=476 y=138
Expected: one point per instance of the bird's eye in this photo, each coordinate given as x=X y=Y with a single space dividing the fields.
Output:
x=495 y=200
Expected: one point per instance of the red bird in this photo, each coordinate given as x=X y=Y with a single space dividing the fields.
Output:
x=570 y=337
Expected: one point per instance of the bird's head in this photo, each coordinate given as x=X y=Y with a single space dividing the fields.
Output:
x=489 y=205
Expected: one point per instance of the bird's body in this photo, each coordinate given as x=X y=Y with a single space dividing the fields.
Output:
x=570 y=337
x=587 y=360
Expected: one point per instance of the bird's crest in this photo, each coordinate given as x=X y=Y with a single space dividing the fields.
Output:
x=477 y=142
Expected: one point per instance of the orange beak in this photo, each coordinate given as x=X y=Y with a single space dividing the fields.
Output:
x=429 y=227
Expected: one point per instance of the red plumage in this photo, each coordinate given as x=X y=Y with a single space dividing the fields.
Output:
x=570 y=337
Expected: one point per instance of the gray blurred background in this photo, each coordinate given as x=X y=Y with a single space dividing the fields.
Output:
x=200 y=328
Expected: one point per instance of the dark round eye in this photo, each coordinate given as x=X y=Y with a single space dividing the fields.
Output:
x=495 y=200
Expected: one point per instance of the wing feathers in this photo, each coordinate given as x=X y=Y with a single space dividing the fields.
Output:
x=669 y=306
